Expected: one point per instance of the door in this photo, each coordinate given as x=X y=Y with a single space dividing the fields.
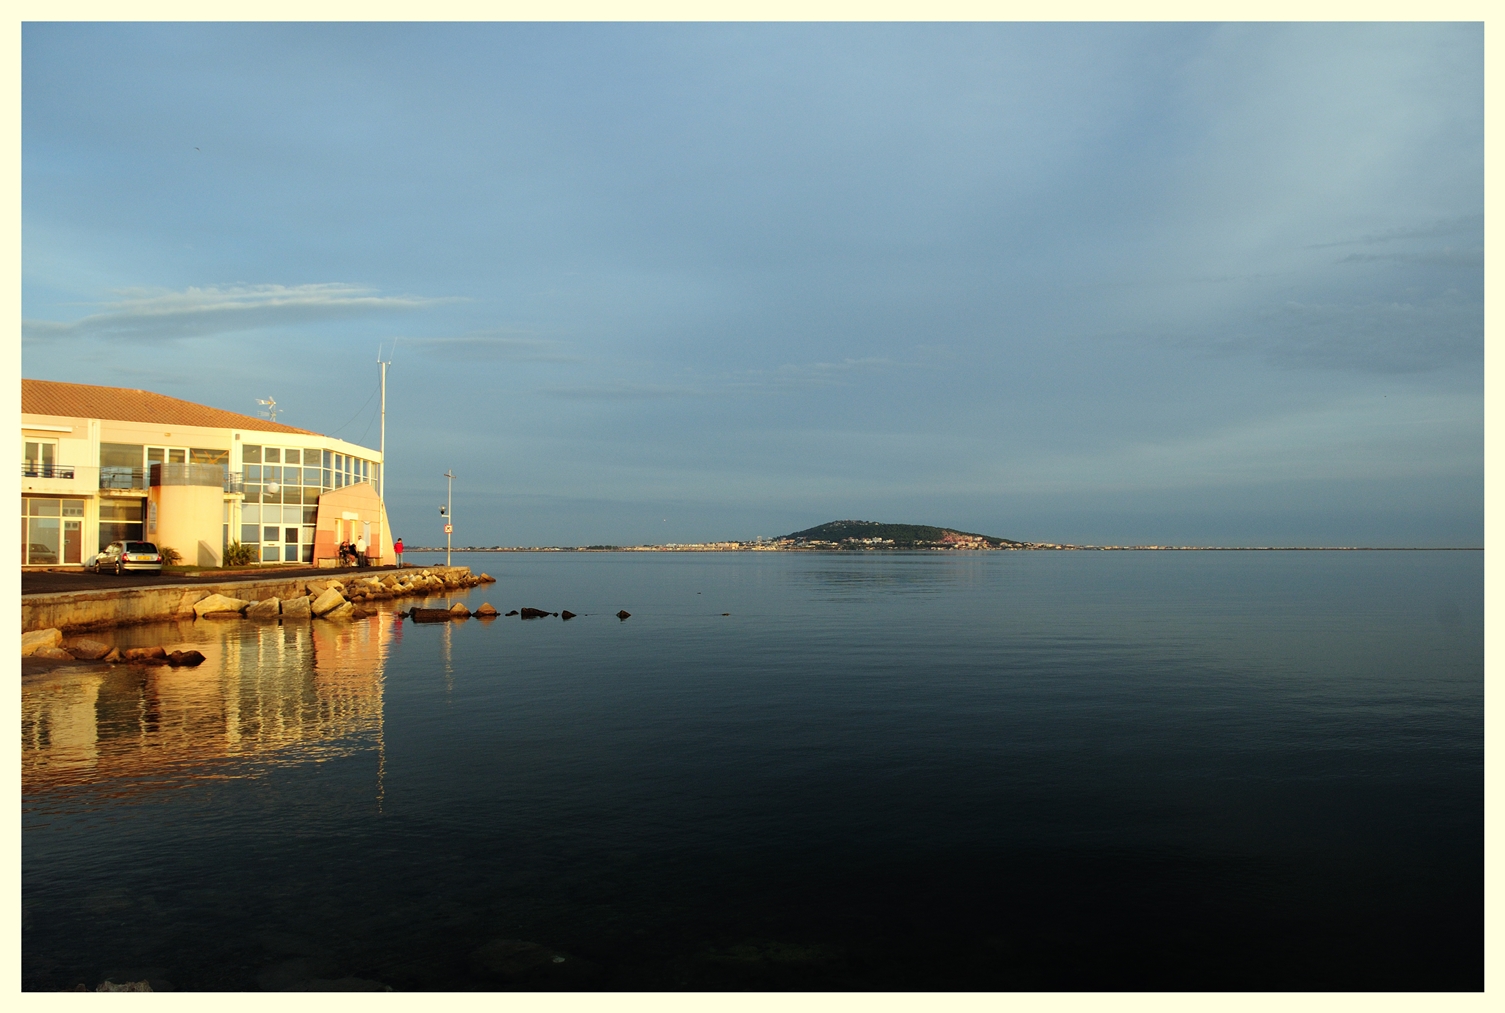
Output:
x=39 y=456
x=73 y=541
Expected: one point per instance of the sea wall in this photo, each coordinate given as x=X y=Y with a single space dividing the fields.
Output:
x=78 y=611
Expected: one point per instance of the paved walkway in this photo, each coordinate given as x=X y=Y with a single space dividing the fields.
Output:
x=55 y=581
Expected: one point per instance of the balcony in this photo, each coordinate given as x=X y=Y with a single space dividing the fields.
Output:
x=61 y=479
x=118 y=478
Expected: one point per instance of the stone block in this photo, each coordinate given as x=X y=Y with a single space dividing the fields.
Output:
x=37 y=639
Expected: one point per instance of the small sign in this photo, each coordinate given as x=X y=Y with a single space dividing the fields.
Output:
x=449 y=529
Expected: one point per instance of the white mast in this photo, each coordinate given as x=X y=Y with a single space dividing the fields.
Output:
x=381 y=485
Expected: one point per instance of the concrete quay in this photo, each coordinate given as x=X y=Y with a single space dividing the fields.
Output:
x=95 y=609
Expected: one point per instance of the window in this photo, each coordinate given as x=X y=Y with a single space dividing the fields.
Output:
x=271 y=455
x=39 y=457
x=292 y=456
x=250 y=534
x=198 y=455
x=328 y=460
x=250 y=454
x=269 y=534
x=120 y=466
x=290 y=535
x=269 y=554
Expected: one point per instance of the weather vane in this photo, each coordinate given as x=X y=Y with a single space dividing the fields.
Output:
x=271 y=408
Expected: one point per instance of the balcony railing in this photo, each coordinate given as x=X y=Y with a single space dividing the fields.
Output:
x=234 y=482
x=113 y=476
x=34 y=469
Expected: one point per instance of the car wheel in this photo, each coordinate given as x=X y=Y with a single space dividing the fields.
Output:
x=120 y=568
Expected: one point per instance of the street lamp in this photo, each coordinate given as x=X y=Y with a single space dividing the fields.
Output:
x=447 y=512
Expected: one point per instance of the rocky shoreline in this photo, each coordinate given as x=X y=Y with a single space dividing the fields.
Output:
x=330 y=599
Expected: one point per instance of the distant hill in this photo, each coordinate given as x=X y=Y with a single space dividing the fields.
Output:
x=901 y=535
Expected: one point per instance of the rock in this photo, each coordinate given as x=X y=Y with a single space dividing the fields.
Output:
x=361 y=612
x=486 y=609
x=143 y=653
x=486 y=578
x=189 y=658
x=187 y=602
x=218 y=603
x=318 y=587
x=297 y=608
x=566 y=614
x=88 y=650
x=345 y=611
x=113 y=656
x=459 y=610
x=125 y=986
x=269 y=608
x=55 y=653
x=37 y=639
x=328 y=601
x=535 y=613
x=513 y=612
x=624 y=614
x=432 y=615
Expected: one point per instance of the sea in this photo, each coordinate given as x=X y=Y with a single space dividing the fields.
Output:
x=857 y=771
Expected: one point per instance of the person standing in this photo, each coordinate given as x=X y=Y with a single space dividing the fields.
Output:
x=397 y=549
x=360 y=551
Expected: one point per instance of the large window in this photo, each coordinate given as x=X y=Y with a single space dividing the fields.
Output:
x=120 y=466
x=120 y=520
x=52 y=531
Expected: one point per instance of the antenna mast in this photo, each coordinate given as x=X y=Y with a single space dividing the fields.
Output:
x=381 y=485
x=270 y=403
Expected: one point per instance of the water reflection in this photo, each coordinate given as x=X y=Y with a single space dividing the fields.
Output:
x=864 y=577
x=266 y=694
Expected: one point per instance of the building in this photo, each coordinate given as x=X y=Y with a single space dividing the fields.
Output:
x=107 y=464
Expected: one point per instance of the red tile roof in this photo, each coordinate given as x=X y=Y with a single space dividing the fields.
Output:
x=122 y=404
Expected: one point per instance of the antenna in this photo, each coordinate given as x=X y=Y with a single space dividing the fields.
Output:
x=270 y=403
x=381 y=484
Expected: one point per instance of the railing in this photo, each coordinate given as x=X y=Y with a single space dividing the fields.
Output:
x=113 y=476
x=234 y=482
x=34 y=469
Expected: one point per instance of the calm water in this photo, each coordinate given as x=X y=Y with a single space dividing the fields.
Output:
x=1000 y=771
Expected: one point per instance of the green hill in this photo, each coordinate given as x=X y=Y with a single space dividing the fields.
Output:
x=902 y=535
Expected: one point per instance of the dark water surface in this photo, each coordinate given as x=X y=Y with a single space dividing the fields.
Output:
x=964 y=771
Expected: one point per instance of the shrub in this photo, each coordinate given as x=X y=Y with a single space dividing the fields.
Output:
x=240 y=555
x=170 y=556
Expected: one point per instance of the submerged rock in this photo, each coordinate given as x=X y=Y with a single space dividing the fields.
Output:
x=486 y=609
x=513 y=612
x=189 y=658
x=624 y=614
x=88 y=650
x=143 y=653
x=566 y=614
x=459 y=610
x=345 y=611
x=531 y=613
x=54 y=653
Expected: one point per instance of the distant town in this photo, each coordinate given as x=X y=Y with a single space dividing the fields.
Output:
x=875 y=536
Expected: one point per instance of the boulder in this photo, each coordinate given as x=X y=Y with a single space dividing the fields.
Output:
x=88 y=650
x=535 y=613
x=566 y=614
x=486 y=578
x=143 y=653
x=113 y=656
x=327 y=602
x=188 y=601
x=37 y=639
x=219 y=603
x=345 y=611
x=513 y=612
x=189 y=658
x=624 y=614
x=55 y=653
x=318 y=587
x=297 y=608
x=459 y=610
x=268 y=608
x=486 y=609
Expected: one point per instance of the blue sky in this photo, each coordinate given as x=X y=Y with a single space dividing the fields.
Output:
x=1095 y=283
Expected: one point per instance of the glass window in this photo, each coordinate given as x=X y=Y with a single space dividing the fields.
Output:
x=268 y=496
x=308 y=553
x=308 y=535
x=253 y=473
x=156 y=455
x=310 y=495
x=43 y=539
x=269 y=553
x=310 y=514
x=120 y=510
x=290 y=535
x=253 y=492
x=269 y=534
x=292 y=514
x=177 y=457
x=73 y=508
x=250 y=513
x=339 y=480
x=117 y=531
x=310 y=476
x=290 y=553
x=120 y=455
x=328 y=459
x=250 y=454
x=328 y=479
x=271 y=455
x=198 y=455
x=44 y=508
x=292 y=456
x=250 y=534
x=226 y=518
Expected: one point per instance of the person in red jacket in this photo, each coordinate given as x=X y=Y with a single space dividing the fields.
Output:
x=397 y=548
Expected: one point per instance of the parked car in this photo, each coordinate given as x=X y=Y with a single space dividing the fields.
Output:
x=127 y=557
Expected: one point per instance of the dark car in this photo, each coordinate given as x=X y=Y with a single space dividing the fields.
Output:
x=128 y=557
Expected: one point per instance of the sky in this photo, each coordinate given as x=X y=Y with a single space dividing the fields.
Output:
x=646 y=283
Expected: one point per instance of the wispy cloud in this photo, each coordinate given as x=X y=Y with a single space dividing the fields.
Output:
x=156 y=315
x=490 y=348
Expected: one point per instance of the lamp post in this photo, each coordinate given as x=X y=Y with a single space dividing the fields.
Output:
x=447 y=512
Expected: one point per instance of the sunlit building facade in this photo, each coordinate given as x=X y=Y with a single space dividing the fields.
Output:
x=106 y=464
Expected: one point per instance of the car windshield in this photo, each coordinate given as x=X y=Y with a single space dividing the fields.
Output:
x=140 y=547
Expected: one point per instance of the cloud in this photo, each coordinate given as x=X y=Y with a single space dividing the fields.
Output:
x=622 y=392
x=200 y=312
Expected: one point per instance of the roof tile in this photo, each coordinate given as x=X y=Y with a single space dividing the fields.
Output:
x=122 y=404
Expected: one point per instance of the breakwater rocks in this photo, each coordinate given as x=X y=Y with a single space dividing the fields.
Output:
x=331 y=599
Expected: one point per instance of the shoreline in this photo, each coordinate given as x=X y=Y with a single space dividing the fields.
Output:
x=750 y=547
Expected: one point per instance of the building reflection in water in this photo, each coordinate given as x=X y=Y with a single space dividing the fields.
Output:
x=266 y=694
